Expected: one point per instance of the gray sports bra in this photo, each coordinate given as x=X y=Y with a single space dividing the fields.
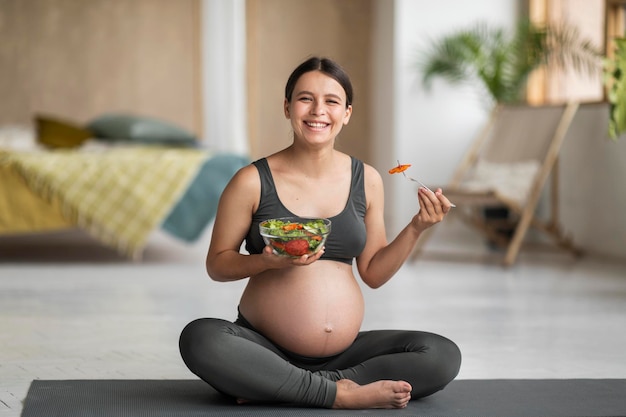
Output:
x=347 y=237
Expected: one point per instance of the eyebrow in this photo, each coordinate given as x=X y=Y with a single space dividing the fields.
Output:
x=325 y=95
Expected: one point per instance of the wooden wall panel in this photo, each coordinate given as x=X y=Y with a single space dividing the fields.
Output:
x=78 y=59
x=283 y=33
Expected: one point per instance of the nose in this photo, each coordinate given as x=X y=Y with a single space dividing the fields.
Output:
x=318 y=107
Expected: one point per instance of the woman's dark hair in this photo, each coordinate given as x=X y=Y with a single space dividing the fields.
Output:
x=326 y=66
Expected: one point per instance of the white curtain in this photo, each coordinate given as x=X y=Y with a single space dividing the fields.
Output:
x=224 y=75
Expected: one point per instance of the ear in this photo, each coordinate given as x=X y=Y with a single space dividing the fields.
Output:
x=286 y=109
x=346 y=118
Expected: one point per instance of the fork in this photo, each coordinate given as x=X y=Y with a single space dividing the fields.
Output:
x=422 y=184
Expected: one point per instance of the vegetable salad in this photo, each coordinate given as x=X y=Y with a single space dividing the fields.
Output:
x=295 y=238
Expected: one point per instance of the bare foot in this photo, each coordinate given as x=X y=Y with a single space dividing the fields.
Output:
x=379 y=394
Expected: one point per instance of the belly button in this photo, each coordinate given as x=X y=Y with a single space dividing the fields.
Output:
x=328 y=329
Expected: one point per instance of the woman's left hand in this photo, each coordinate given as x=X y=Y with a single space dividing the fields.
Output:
x=433 y=208
x=278 y=261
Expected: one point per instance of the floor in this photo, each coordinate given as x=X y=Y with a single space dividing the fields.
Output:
x=72 y=310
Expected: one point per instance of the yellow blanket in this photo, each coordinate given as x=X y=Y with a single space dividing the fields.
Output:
x=119 y=196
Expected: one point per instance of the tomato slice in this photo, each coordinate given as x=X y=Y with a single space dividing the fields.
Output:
x=400 y=168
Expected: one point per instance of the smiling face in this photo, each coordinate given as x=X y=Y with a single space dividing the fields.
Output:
x=318 y=109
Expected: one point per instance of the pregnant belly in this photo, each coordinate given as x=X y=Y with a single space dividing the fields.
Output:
x=313 y=311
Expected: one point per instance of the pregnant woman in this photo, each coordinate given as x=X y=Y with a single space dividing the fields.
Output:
x=298 y=338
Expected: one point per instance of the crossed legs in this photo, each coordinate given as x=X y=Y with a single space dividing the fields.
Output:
x=378 y=370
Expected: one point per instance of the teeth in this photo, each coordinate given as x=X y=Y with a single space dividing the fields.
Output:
x=320 y=125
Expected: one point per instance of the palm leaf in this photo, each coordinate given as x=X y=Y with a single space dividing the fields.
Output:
x=501 y=63
x=616 y=82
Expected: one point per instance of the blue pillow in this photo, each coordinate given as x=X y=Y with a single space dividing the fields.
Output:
x=117 y=127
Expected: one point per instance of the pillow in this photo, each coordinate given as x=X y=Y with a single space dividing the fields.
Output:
x=146 y=130
x=18 y=138
x=57 y=133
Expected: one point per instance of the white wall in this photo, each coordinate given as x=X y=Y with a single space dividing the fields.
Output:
x=592 y=174
x=433 y=129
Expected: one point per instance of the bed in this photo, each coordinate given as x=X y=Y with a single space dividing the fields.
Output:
x=119 y=189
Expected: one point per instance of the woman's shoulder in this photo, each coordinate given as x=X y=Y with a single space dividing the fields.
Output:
x=371 y=174
x=246 y=178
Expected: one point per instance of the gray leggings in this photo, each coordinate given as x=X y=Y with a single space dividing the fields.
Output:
x=240 y=362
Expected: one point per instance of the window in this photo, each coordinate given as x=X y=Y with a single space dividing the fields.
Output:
x=588 y=16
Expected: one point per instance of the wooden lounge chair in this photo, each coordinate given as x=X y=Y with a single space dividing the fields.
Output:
x=508 y=167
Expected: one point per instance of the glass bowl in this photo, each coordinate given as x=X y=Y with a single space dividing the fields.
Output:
x=295 y=236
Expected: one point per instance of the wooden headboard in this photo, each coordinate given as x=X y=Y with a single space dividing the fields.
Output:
x=78 y=59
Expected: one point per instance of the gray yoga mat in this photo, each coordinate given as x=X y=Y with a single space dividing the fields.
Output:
x=466 y=398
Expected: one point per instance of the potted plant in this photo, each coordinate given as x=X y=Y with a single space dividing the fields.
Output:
x=501 y=62
x=615 y=81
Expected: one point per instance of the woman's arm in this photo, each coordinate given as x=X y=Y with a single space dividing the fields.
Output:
x=380 y=260
x=238 y=202
x=224 y=262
